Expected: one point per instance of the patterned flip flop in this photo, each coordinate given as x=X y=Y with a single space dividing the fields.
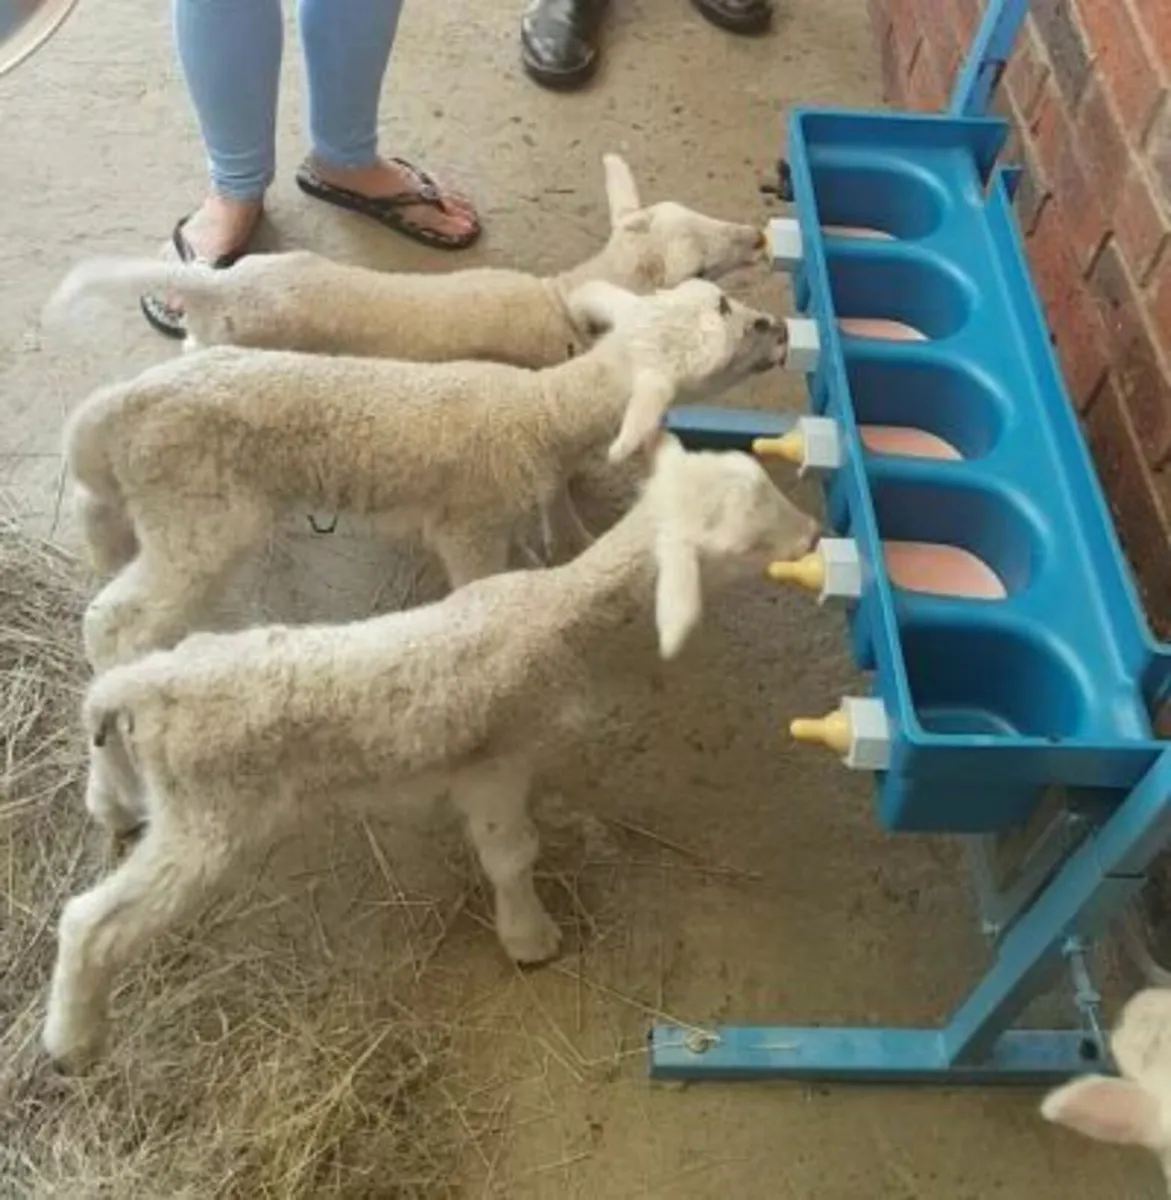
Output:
x=170 y=321
x=390 y=211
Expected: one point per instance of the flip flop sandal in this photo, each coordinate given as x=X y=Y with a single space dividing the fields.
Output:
x=169 y=321
x=390 y=211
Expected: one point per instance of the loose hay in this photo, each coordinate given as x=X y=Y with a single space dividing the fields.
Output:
x=270 y=1056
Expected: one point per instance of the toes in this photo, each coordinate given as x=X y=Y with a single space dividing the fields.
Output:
x=456 y=223
x=464 y=226
x=457 y=202
x=465 y=219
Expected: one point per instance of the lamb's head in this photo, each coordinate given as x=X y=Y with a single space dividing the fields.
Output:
x=666 y=243
x=717 y=517
x=692 y=338
x=1134 y=1110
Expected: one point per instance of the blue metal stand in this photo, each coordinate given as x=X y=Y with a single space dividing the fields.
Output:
x=917 y=1056
x=988 y=56
x=977 y=1044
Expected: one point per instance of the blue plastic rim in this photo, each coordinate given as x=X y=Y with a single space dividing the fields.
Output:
x=989 y=701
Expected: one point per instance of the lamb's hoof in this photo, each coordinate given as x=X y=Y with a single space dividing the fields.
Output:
x=533 y=944
x=72 y=1055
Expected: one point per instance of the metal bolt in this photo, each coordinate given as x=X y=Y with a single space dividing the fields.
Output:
x=698 y=1041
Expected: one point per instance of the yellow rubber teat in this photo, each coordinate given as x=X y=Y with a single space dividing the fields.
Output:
x=807 y=572
x=789 y=446
x=832 y=731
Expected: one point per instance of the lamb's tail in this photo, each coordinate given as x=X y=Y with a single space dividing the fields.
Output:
x=125 y=279
x=106 y=521
x=86 y=438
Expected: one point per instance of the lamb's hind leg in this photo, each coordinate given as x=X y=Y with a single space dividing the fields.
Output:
x=108 y=532
x=148 y=606
x=112 y=798
x=153 y=603
x=161 y=883
x=493 y=796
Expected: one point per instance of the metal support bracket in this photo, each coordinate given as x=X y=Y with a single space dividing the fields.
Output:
x=978 y=1044
x=988 y=56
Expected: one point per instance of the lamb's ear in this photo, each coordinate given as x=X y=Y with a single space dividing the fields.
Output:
x=1107 y=1110
x=600 y=305
x=678 y=593
x=621 y=190
x=650 y=397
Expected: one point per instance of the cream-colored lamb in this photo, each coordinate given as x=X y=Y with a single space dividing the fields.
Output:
x=186 y=468
x=1136 y=1109
x=302 y=301
x=226 y=742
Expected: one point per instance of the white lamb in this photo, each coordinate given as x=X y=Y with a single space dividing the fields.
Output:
x=302 y=301
x=1136 y=1109
x=226 y=742
x=183 y=470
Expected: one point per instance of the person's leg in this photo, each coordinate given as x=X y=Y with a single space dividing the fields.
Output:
x=230 y=52
x=346 y=49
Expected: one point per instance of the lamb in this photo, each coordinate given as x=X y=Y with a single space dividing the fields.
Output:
x=183 y=470
x=302 y=301
x=1136 y=1109
x=222 y=744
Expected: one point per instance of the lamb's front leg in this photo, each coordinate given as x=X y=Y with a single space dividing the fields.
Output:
x=565 y=534
x=493 y=796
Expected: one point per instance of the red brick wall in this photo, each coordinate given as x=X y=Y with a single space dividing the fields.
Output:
x=1088 y=93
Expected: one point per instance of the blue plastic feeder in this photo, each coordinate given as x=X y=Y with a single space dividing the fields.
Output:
x=990 y=703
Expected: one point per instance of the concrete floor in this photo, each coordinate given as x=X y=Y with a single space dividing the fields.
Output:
x=823 y=918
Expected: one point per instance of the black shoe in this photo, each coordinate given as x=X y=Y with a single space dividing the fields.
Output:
x=559 y=41
x=737 y=16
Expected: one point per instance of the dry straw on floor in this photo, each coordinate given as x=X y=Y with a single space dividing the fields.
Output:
x=266 y=1057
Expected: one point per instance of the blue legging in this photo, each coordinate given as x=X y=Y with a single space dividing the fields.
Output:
x=231 y=56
